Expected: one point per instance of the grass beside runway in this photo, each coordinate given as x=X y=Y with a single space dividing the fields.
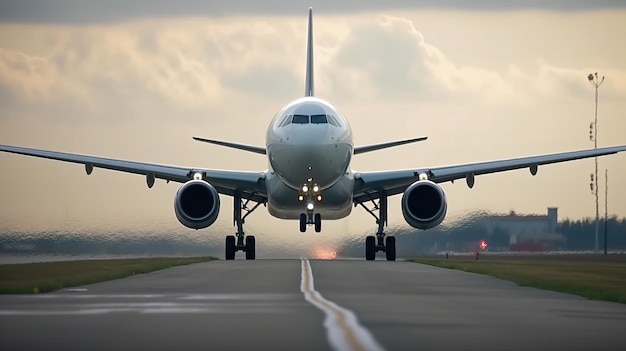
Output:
x=595 y=277
x=31 y=278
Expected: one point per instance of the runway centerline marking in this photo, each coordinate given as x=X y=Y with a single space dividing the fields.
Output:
x=343 y=329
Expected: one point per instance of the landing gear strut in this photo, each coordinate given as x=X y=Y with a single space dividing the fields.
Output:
x=239 y=241
x=379 y=242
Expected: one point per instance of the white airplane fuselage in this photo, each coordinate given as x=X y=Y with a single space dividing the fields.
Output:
x=309 y=144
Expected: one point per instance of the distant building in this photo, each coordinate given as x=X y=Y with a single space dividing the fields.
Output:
x=528 y=232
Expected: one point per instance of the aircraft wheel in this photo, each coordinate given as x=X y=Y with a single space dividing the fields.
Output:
x=302 y=222
x=318 y=222
x=250 y=247
x=390 y=245
x=370 y=248
x=230 y=247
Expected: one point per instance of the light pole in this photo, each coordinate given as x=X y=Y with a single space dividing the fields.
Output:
x=596 y=82
x=606 y=207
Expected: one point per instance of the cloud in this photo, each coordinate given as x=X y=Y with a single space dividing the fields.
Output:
x=391 y=52
x=184 y=65
x=94 y=11
x=32 y=77
x=391 y=58
x=199 y=65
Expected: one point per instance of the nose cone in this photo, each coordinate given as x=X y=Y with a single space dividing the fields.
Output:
x=309 y=141
x=322 y=163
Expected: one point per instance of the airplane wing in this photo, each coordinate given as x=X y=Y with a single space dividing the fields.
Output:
x=246 y=147
x=250 y=184
x=369 y=185
x=374 y=147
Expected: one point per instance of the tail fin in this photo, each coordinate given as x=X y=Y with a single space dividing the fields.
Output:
x=308 y=88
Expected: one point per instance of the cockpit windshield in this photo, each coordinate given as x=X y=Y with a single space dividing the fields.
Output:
x=313 y=119
x=318 y=119
x=300 y=119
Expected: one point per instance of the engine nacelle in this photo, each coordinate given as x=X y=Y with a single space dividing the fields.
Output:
x=197 y=204
x=424 y=205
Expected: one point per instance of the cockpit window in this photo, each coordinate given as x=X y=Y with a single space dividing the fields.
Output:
x=286 y=121
x=300 y=119
x=306 y=119
x=318 y=119
x=333 y=121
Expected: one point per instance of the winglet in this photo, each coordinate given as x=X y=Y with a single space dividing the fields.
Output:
x=308 y=88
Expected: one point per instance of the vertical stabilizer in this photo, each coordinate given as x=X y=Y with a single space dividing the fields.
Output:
x=308 y=88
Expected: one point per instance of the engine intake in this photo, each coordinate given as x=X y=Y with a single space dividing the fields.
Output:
x=196 y=204
x=424 y=205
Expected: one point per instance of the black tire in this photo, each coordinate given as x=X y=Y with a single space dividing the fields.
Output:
x=302 y=222
x=318 y=222
x=230 y=247
x=390 y=245
x=250 y=247
x=370 y=248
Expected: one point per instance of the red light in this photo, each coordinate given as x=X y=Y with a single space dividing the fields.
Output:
x=482 y=244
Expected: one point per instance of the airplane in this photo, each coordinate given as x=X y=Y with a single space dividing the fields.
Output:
x=309 y=149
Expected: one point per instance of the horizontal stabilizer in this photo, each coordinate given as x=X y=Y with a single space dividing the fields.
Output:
x=374 y=147
x=250 y=148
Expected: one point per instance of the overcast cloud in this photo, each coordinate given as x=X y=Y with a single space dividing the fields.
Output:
x=96 y=11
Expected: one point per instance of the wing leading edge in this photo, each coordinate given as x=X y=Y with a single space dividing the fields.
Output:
x=245 y=147
x=373 y=147
x=357 y=149
x=369 y=185
x=250 y=184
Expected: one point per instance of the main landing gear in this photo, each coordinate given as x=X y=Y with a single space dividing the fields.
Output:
x=239 y=241
x=379 y=242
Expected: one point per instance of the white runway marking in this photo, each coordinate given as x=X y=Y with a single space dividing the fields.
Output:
x=97 y=304
x=342 y=327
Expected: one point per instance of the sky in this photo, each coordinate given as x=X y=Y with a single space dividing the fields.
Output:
x=136 y=80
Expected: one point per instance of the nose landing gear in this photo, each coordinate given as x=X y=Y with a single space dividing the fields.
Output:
x=379 y=242
x=310 y=218
x=311 y=193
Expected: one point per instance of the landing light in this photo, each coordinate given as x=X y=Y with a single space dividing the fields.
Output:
x=319 y=198
x=300 y=197
x=197 y=176
x=305 y=188
x=310 y=207
x=316 y=188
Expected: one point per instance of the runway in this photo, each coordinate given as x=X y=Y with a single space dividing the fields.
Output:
x=308 y=305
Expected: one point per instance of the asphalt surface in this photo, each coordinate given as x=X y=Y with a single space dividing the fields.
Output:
x=302 y=305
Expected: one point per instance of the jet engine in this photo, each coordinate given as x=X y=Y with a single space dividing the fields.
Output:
x=196 y=204
x=424 y=204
